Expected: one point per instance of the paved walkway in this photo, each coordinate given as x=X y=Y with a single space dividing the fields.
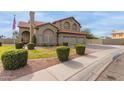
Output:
x=83 y=68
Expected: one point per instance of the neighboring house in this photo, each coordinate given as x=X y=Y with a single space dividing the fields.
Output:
x=64 y=30
x=118 y=34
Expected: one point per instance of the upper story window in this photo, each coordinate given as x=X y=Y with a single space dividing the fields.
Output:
x=66 y=25
x=74 y=27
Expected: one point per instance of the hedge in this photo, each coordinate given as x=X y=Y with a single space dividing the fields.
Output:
x=14 y=59
x=63 y=53
x=31 y=46
x=80 y=49
x=19 y=45
x=65 y=43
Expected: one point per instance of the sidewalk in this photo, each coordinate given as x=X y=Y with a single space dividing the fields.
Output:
x=83 y=68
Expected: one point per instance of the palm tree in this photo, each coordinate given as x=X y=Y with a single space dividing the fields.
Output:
x=31 y=14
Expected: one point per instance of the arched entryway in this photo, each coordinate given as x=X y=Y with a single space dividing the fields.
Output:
x=48 y=36
x=25 y=37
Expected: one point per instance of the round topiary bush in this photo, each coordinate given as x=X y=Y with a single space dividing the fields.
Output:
x=65 y=43
x=14 y=59
x=80 y=49
x=19 y=45
x=0 y=43
x=63 y=53
x=31 y=46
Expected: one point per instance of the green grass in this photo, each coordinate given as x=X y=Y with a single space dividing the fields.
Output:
x=43 y=52
x=5 y=48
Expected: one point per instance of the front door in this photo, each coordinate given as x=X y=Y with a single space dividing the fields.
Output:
x=25 y=37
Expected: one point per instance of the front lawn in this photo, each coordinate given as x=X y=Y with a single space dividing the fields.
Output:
x=41 y=52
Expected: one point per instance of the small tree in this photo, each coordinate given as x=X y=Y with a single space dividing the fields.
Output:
x=89 y=35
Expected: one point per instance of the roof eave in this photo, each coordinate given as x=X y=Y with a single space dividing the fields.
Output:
x=73 y=33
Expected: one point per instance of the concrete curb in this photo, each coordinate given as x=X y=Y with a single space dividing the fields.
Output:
x=91 y=72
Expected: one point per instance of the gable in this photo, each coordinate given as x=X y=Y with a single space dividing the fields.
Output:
x=46 y=25
x=40 y=29
x=67 y=19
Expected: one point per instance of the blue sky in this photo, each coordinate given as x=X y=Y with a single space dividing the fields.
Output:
x=100 y=23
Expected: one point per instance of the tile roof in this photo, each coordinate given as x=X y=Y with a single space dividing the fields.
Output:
x=27 y=25
x=65 y=19
x=118 y=31
x=46 y=24
x=39 y=23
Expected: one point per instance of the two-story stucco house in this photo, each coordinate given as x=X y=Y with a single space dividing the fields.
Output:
x=118 y=34
x=64 y=30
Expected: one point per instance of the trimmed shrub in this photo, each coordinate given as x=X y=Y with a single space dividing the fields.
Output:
x=63 y=53
x=14 y=59
x=65 y=43
x=34 y=40
x=19 y=45
x=31 y=46
x=0 y=43
x=80 y=49
x=47 y=45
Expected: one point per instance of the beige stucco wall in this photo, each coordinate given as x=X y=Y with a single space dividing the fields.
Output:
x=106 y=41
x=39 y=34
x=8 y=41
x=117 y=35
x=60 y=24
x=71 y=39
x=94 y=41
x=21 y=30
x=113 y=41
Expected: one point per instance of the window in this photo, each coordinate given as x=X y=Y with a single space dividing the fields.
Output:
x=114 y=35
x=120 y=34
x=67 y=26
x=74 y=27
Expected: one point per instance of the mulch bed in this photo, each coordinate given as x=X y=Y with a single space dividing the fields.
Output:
x=33 y=66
